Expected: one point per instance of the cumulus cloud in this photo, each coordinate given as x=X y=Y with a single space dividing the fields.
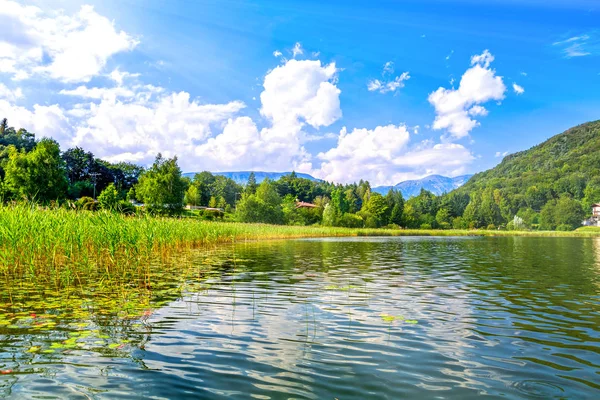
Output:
x=296 y=94
x=302 y=90
x=67 y=48
x=501 y=154
x=455 y=108
x=388 y=83
x=518 y=89
x=383 y=156
x=48 y=121
x=148 y=123
x=277 y=53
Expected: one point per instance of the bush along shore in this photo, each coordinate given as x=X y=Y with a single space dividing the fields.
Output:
x=61 y=246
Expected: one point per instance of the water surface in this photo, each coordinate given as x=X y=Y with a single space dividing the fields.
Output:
x=355 y=318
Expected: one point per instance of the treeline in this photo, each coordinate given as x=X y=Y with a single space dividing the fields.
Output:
x=551 y=186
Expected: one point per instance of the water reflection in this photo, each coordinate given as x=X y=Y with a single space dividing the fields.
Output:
x=331 y=318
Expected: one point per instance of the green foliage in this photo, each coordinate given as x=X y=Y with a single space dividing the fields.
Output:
x=349 y=220
x=565 y=166
x=162 y=187
x=109 y=198
x=565 y=213
x=224 y=190
x=263 y=206
x=376 y=208
x=39 y=174
x=251 y=186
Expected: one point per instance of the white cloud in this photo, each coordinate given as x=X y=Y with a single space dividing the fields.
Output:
x=44 y=121
x=277 y=53
x=302 y=90
x=456 y=107
x=501 y=154
x=484 y=59
x=388 y=68
x=119 y=76
x=10 y=94
x=297 y=50
x=518 y=89
x=577 y=46
x=382 y=156
x=171 y=123
x=388 y=85
x=295 y=94
x=67 y=48
x=449 y=56
x=99 y=93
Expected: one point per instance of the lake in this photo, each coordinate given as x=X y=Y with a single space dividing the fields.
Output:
x=339 y=318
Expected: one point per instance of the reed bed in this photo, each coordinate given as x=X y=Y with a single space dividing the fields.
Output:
x=62 y=246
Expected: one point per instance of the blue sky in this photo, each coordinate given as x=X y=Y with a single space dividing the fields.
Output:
x=386 y=92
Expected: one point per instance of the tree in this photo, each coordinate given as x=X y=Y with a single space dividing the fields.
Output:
x=39 y=174
x=251 y=185
x=443 y=218
x=192 y=196
x=377 y=207
x=395 y=207
x=162 y=187
x=263 y=206
x=213 y=202
x=109 y=198
x=568 y=214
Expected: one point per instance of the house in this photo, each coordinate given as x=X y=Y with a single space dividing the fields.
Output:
x=596 y=210
x=594 y=220
x=302 y=204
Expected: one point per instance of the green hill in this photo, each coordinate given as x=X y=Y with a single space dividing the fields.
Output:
x=539 y=184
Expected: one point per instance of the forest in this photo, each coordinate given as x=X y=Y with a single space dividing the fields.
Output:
x=549 y=187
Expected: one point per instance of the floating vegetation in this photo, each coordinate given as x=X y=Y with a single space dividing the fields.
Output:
x=393 y=318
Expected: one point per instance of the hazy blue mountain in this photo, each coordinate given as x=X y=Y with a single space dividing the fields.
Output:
x=241 y=177
x=436 y=184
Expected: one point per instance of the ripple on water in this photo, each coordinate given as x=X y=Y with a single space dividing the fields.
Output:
x=350 y=318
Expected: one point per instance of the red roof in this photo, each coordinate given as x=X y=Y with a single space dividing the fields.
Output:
x=301 y=204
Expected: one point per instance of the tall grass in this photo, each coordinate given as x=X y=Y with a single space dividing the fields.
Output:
x=62 y=246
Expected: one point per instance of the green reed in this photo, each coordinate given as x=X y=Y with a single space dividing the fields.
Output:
x=62 y=246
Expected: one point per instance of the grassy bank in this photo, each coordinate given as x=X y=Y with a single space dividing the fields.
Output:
x=65 y=246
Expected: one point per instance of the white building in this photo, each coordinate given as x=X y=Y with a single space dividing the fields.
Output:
x=594 y=220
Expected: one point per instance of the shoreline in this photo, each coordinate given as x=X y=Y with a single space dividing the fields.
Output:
x=65 y=245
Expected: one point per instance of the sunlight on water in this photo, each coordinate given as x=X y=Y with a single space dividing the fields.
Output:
x=350 y=318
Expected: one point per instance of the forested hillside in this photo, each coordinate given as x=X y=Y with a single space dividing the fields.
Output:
x=563 y=169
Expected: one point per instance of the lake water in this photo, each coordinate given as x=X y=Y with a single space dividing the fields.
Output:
x=356 y=318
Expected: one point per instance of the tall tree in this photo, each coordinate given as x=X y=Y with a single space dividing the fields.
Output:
x=162 y=187
x=251 y=185
x=39 y=174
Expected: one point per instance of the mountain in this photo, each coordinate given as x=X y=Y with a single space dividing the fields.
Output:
x=563 y=170
x=241 y=177
x=565 y=163
x=436 y=184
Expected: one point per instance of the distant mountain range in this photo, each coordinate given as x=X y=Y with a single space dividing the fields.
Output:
x=436 y=184
x=241 y=177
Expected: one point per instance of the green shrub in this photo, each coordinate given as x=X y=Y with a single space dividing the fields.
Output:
x=86 y=203
x=350 y=221
x=564 y=227
x=126 y=207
